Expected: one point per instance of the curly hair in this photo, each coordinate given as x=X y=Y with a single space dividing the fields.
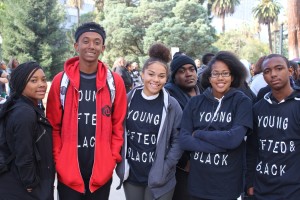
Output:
x=235 y=66
x=158 y=52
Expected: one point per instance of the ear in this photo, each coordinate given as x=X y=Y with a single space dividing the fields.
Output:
x=291 y=71
x=103 y=48
x=76 y=47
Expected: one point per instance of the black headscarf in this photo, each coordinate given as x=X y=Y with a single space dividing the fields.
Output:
x=18 y=81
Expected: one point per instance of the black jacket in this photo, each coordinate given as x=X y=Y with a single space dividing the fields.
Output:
x=29 y=136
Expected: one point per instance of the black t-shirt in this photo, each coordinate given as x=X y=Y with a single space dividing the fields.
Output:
x=142 y=124
x=86 y=123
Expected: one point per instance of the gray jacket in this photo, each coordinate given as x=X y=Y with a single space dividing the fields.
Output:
x=162 y=173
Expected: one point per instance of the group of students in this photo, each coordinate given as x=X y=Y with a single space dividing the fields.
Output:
x=168 y=138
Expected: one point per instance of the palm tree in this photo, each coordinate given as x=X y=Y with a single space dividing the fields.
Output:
x=293 y=28
x=78 y=5
x=266 y=12
x=221 y=8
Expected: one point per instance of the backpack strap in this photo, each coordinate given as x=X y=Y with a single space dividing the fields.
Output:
x=111 y=86
x=64 y=83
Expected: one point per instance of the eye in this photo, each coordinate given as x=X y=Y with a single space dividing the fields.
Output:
x=266 y=71
x=181 y=71
x=226 y=74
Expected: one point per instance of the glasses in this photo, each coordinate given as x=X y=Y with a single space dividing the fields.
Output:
x=217 y=74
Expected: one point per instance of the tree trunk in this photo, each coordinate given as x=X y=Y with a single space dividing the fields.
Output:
x=270 y=38
x=78 y=15
x=293 y=28
x=223 y=23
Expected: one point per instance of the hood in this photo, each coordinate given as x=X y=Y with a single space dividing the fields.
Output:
x=208 y=94
x=71 y=68
x=294 y=96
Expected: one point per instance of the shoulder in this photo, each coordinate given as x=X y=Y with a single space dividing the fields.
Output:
x=241 y=96
x=23 y=113
x=57 y=78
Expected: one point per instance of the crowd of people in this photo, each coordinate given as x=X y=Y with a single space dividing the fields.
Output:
x=174 y=129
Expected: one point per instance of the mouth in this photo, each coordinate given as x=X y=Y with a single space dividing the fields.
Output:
x=41 y=92
x=274 y=82
x=91 y=53
x=220 y=85
x=190 y=80
x=154 y=85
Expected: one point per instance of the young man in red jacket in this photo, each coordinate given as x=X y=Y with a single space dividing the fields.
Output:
x=87 y=124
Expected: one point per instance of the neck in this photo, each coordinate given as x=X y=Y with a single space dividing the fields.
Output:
x=191 y=92
x=282 y=93
x=88 y=67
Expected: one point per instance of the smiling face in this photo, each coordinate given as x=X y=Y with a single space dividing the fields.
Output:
x=220 y=84
x=36 y=87
x=89 y=46
x=154 y=77
x=276 y=73
x=186 y=77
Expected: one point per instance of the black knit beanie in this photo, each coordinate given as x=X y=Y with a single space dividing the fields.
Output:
x=178 y=61
x=90 y=27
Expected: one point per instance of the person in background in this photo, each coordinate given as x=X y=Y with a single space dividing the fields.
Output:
x=295 y=72
x=136 y=76
x=205 y=60
x=120 y=68
x=198 y=64
x=88 y=130
x=182 y=86
x=272 y=149
x=4 y=79
x=151 y=147
x=213 y=128
x=12 y=64
x=31 y=174
x=258 y=81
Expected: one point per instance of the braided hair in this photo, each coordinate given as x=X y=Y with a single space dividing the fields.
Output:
x=18 y=81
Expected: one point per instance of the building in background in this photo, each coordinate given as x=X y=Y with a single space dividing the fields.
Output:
x=71 y=12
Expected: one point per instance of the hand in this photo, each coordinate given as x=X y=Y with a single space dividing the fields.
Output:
x=29 y=189
x=250 y=191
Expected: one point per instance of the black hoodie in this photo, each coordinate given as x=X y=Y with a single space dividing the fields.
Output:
x=274 y=148
x=214 y=129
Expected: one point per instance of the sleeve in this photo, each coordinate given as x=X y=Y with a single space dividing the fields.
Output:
x=23 y=131
x=54 y=114
x=118 y=116
x=187 y=141
x=175 y=151
x=251 y=157
x=230 y=139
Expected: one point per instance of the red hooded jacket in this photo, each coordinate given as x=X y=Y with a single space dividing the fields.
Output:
x=109 y=127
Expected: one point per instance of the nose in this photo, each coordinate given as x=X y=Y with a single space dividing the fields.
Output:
x=91 y=45
x=273 y=73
